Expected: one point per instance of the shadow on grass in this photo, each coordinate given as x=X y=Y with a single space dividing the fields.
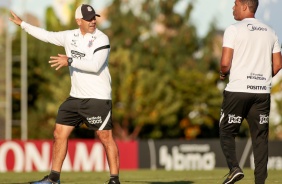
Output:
x=16 y=183
x=173 y=182
x=163 y=182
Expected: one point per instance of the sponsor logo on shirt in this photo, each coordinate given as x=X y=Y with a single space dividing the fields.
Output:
x=256 y=76
x=263 y=119
x=251 y=27
x=78 y=55
x=95 y=120
x=234 y=119
x=256 y=87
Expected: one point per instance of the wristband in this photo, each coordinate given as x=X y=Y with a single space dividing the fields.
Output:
x=222 y=75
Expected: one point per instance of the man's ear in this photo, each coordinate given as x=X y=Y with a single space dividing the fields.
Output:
x=245 y=7
x=78 y=21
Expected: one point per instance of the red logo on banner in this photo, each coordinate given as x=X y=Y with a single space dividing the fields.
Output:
x=83 y=155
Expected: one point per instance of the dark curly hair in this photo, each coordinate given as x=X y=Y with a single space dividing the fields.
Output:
x=252 y=4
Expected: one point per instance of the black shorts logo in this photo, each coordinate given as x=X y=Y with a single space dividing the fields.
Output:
x=95 y=120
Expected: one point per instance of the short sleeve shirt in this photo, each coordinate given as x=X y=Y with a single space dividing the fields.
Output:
x=253 y=43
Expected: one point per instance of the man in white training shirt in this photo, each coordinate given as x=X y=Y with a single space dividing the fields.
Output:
x=87 y=51
x=251 y=56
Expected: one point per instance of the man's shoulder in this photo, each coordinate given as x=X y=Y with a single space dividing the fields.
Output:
x=245 y=23
x=69 y=33
x=72 y=32
x=232 y=27
x=101 y=37
x=256 y=24
x=252 y=21
x=99 y=33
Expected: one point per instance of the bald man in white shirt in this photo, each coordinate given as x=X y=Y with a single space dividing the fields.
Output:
x=87 y=52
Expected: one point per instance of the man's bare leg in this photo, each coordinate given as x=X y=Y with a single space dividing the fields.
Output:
x=111 y=149
x=59 y=151
x=60 y=145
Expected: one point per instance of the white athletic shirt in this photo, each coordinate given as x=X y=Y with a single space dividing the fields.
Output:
x=89 y=72
x=253 y=43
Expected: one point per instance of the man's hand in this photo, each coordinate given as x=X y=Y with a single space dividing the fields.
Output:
x=59 y=61
x=223 y=76
x=15 y=19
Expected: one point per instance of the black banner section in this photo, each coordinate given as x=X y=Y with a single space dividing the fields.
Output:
x=200 y=154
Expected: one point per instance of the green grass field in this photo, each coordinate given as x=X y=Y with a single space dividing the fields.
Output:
x=142 y=177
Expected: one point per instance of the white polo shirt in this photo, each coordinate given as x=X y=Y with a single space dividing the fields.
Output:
x=253 y=43
x=89 y=72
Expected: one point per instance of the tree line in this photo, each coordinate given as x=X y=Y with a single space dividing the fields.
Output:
x=165 y=78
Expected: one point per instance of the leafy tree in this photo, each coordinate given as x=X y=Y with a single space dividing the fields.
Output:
x=164 y=76
x=3 y=13
x=47 y=88
x=157 y=78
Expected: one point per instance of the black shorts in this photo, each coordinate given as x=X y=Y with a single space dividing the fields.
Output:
x=95 y=113
x=237 y=106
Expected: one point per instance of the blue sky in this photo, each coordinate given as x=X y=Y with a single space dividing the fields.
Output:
x=218 y=11
x=205 y=11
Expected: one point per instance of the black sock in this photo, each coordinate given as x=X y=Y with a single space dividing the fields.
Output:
x=114 y=176
x=54 y=175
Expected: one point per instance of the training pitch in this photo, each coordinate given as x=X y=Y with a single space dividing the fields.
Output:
x=142 y=177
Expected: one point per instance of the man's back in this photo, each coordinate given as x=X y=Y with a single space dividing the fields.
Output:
x=253 y=43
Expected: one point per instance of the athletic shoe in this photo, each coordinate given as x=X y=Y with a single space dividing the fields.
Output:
x=234 y=175
x=45 y=180
x=114 y=181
